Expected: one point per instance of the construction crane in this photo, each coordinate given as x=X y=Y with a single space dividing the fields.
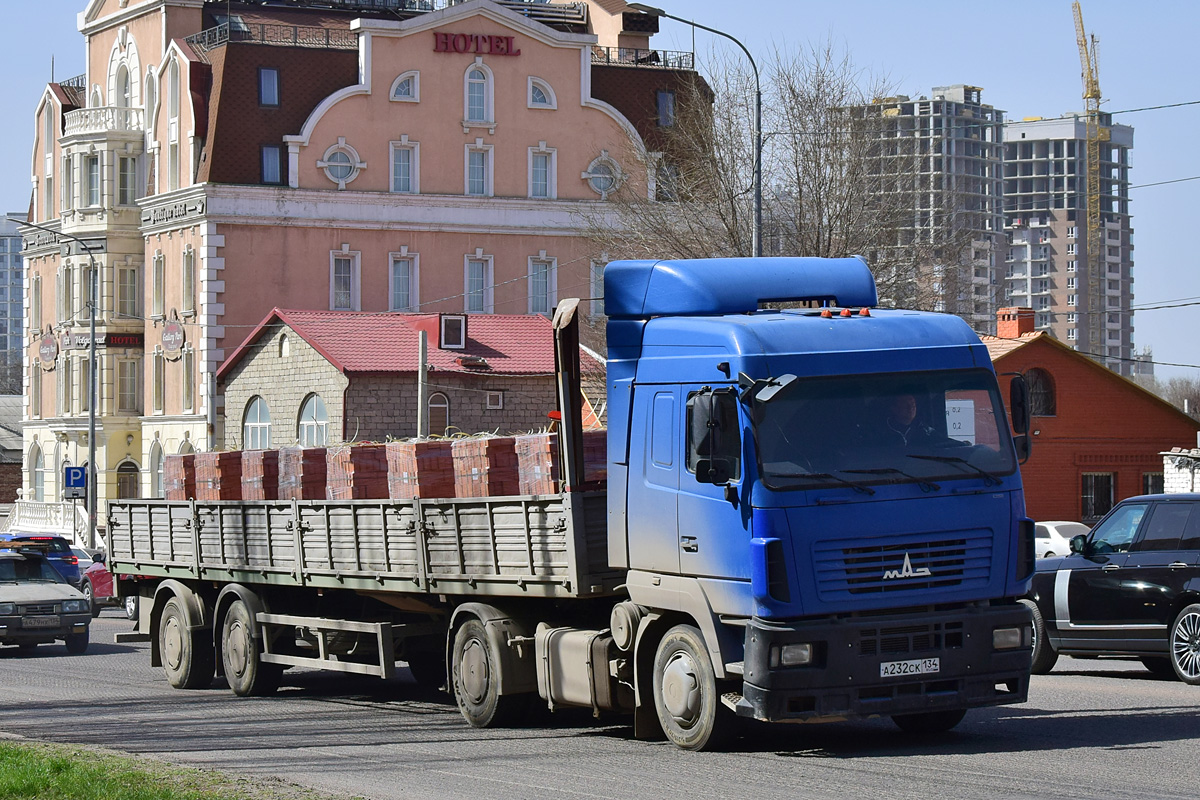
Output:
x=1095 y=135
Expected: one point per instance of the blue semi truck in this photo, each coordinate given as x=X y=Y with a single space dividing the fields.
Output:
x=812 y=513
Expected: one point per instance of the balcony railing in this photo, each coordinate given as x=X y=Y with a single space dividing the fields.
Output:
x=633 y=57
x=103 y=119
x=78 y=82
x=62 y=519
x=281 y=35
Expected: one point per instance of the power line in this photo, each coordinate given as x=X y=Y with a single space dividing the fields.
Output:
x=1163 y=183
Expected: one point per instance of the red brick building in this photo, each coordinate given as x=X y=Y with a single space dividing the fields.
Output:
x=1097 y=436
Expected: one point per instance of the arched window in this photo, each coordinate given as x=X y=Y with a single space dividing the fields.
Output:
x=439 y=413
x=150 y=97
x=129 y=479
x=285 y=346
x=1042 y=401
x=186 y=448
x=407 y=88
x=314 y=422
x=478 y=95
x=540 y=94
x=124 y=97
x=156 y=469
x=37 y=473
x=256 y=425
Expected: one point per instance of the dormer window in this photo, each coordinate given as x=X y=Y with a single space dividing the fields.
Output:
x=454 y=333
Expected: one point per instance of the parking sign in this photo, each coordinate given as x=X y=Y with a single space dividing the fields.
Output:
x=75 y=483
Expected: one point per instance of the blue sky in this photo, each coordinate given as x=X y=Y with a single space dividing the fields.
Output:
x=1021 y=52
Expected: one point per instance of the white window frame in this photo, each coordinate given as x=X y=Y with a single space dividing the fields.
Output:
x=127 y=194
x=547 y=90
x=158 y=278
x=551 y=156
x=489 y=105
x=128 y=294
x=1072 y=334
x=488 y=169
x=93 y=194
x=596 y=287
x=262 y=436
x=158 y=401
x=489 y=280
x=355 y=258
x=356 y=164
x=551 y=296
x=415 y=97
x=187 y=282
x=495 y=400
x=68 y=188
x=156 y=469
x=414 y=165
x=65 y=392
x=1071 y=249
x=312 y=432
x=1072 y=300
x=1072 y=266
x=187 y=361
x=443 y=340
x=173 y=102
x=414 y=280
x=618 y=176
x=439 y=400
x=83 y=385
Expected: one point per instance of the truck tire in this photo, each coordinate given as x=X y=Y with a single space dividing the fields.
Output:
x=689 y=706
x=247 y=675
x=1044 y=656
x=475 y=679
x=929 y=721
x=77 y=643
x=1185 y=645
x=187 y=658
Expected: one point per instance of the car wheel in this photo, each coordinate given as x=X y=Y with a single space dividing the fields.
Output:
x=131 y=606
x=77 y=643
x=91 y=599
x=1185 y=645
x=1044 y=657
x=1159 y=665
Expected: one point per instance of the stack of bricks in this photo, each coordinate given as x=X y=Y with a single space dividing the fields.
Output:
x=485 y=467
x=179 y=477
x=537 y=463
x=219 y=476
x=595 y=456
x=302 y=473
x=420 y=469
x=260 y=475
x=357 y=472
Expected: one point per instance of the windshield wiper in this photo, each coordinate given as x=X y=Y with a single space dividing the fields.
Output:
x=823 y=476
x=956 y=460
x=925 y=484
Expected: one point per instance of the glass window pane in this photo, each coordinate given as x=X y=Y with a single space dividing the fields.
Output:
x=342 y=283
x=476 y=287
x=477 y=171
x=271 y=172
x=402 y=170
x=401 y=284
x=541 y=175
x=268 y=87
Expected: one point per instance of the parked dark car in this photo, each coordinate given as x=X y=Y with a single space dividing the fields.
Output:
x=56 y=549
x=1129 y=589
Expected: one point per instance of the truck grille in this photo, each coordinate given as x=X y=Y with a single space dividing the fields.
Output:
x=42 y=608
x=904 y=564
x=902 y=640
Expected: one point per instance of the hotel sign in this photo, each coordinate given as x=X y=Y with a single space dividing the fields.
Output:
x=79 y=341
x=47 y=350
x=173 y=337
x=478 y=43
x=173 y=212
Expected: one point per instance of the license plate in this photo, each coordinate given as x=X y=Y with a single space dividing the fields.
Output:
x=921 y=666
x=39 y=622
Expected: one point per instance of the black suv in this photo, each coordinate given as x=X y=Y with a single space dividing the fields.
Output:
x=1130 y=588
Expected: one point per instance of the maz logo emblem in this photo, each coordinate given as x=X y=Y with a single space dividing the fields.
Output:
x=906 y=571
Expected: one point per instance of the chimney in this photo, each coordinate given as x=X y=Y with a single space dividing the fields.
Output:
x=1012 y=323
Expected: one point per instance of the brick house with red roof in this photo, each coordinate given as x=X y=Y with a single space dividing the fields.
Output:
x=328 y=377
x=1097 y=436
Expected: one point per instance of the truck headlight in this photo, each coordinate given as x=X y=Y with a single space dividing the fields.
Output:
x=8 y=609
x=1006 y=638
x=791 y=655
x=74 y=606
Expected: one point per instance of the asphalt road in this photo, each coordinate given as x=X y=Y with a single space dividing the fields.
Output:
x=1091 y=729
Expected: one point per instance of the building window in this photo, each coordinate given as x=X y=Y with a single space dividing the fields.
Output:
x=188 y=379
x=129 y=480
x=341 y=163
x=285 y=346
x=495 y=400
x=1071 y=249
x=666 y=182
x=403 y=282
x=66 y=391
x=344 y=293
x=127 y=293
x=66 y=293
x=35 y=392
x=1152 y=483
x=543 y=172
x=406 y=168
x=479 y=169
x=603 y=175
x=126 y=181
x=68 y=181
x=156 y=469
x=160 y=382
x=541 y=95
x=453 y=334
x=596 y=288
x=272 y=164
x=129 y=390
x=313 y=428
x=666 y=109
x=268 y=86
x=478 y=95
x=439 y=413
x=187 y=280
x=1073 y=232
x=35 y=305
x=1072 y=300
x=1072 y=266
x=84 y=383
x=1071 y=283
x=159 y=276
x=37 y=473
x=1096 y=495
x=407 y=88
x=1042 y=400
x=479 y=297
x=542 y=284
x=1072 y=334
x=173 y=125
x=91 y=175
x=256 y=425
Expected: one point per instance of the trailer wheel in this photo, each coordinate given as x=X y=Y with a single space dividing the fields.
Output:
x=685 y=692
x=186 y=657
x=475 y=677
x=241 y=652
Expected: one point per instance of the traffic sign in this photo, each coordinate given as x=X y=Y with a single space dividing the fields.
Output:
x=75 y=483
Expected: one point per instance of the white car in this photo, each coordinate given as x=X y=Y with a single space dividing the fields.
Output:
x=1054 y=538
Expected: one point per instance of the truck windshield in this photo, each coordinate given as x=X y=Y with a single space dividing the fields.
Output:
x=863 y=430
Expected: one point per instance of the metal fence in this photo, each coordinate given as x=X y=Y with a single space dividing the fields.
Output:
x=285 y=35
x=633 y=57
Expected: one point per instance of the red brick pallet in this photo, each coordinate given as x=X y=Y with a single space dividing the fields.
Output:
x=357 y=472
x=420 y=469
x=595 y=456
x=219 y=476
x=179 y=477
x=302 y=473
x=537 y=463
x=260 y=475
x=485 y=467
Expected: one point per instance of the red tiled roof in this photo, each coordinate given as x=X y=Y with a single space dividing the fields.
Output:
x=998 y=347
x=369 y=342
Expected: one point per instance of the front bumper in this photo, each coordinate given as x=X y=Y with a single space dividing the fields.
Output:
x=13 y=630
x=843 y=681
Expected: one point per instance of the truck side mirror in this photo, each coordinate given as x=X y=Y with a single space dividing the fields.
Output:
x=1018 y=404
x=714 y=437
x=1024 y=446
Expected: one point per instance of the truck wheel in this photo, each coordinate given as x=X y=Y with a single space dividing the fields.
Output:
x=91 y=599
x=685 y=692
x=77 y=643
x=1185 y=645
x=1044 y=657
x=930 y=721
x=187 y=658
x=475 y=678
x=248 y=676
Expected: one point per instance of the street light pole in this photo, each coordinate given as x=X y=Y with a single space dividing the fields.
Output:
x=93 y=473
x=756 y=244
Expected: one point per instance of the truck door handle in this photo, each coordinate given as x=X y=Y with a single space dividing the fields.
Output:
x=1110 y=567
x=688 y=543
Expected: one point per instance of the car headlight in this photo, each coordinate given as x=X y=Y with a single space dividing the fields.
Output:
x=74 y=606
x=7 y=609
